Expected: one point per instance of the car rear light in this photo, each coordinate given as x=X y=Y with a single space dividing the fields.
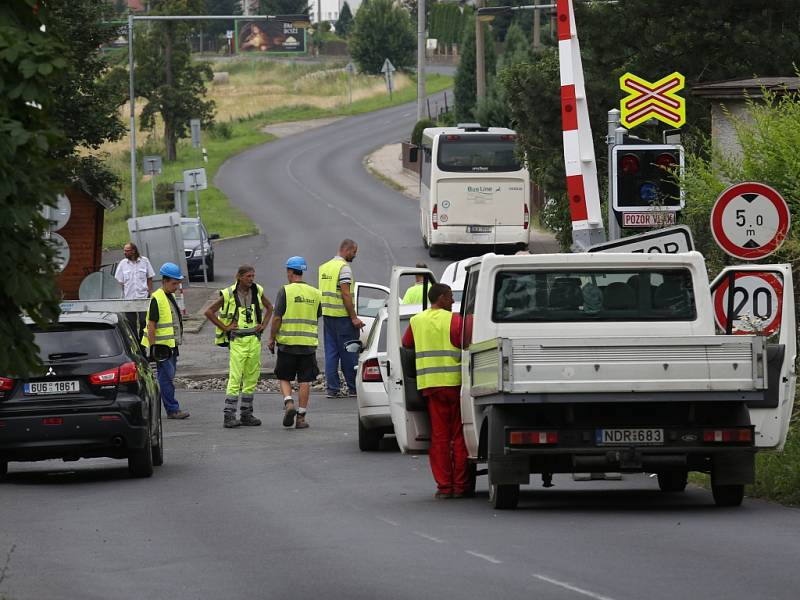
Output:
x=2 y=424
x=526 y=217
x=53 y=421
x=372 y=370
x=105 y=377
x=110 y=418
x=6 y=384
x=127 y=372
x=453 y=137
x=508 y=138
x=532 y=438
x=739 y=434
x=435 y=217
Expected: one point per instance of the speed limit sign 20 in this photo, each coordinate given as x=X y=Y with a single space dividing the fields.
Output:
x=756 y=294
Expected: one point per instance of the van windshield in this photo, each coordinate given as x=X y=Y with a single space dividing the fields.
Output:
x=477 y=154
x=597 y=295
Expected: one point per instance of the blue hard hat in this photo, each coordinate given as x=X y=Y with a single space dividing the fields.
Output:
x=171 y=270
x=298 y=263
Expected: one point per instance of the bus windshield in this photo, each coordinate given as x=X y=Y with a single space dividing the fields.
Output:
x=477 y=154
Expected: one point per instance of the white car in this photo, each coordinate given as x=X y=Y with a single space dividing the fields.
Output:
x=455 y=275
x=374 y=419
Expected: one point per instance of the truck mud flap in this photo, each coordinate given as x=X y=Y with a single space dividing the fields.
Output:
x=733 y=468
x=503 y=469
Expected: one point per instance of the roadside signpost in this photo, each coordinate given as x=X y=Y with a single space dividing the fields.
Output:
x=152 y=167
x=351 y=69
x=388 y=73
x=195 y=179
x=194 y=125
x=670 y=240
x=756 y=295
x=750 y=220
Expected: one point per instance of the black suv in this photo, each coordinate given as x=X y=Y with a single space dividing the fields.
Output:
x=96 y=397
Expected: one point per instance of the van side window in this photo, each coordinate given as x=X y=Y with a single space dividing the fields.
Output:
x=468 y=307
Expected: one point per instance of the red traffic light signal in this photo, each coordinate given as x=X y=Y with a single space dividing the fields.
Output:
x=645 y=177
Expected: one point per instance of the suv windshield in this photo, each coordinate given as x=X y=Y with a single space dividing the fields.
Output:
x=601 y=295
x=479 y=154
x=65 y=341
x=190 y=231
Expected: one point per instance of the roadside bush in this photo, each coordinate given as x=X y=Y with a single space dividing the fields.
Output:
x=221 y=130
x=778 y=475
x=165 y=197
x=382 y=30
x=416 y=134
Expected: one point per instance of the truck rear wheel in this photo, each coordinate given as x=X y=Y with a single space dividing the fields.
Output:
x=504 y=496
x=728 y=495
x=672 y=481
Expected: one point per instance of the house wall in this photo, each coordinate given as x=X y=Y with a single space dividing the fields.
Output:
x=84 y=235
x=723 y=133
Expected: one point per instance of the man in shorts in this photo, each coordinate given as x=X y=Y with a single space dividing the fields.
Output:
x=294 y=328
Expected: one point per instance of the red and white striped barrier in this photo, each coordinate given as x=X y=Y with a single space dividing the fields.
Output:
x=579 y=160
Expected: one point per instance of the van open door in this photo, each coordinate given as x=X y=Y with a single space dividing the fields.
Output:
x=412 y=425
x=759 y=299
x=369 y=298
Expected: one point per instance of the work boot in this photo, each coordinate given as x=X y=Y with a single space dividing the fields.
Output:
x=231 y=421
x=249 y=420
x=300 y=422
x=289 y=411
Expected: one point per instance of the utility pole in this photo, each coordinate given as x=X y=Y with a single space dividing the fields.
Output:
x=420 y=59
x=480 y=65
x=537 y=27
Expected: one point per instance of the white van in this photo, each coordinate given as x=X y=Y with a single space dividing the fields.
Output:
x=473 y=188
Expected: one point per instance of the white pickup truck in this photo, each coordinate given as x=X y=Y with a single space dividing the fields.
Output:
x=607 y=362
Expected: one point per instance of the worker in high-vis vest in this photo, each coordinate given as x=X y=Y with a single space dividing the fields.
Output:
x=240 y=314
x=435 y=335
x=340 y=321
x=163 y=334
x=298 y=308
x=413 y=294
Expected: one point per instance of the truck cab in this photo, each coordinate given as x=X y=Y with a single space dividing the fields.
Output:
x=612 y=362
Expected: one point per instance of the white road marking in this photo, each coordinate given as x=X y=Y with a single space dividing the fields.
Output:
x=180 y=434
x=428 y=537
x=485 y=557
x=389 y=521
x=572 y=588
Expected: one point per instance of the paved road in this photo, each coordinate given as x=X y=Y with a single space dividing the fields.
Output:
x=268 y=513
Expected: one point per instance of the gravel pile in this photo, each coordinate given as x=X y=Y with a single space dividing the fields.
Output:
x=220 y=383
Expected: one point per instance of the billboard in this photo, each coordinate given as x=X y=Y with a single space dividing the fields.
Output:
x=270 y=36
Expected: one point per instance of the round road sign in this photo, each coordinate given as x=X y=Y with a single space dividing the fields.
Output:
x=757 y=294
x=750 y=220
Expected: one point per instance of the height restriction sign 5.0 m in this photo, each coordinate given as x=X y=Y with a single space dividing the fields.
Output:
x=750 y=220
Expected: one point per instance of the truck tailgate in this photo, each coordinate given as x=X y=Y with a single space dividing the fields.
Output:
x=618 y=364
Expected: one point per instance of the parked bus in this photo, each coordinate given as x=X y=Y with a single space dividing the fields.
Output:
x=473 y=189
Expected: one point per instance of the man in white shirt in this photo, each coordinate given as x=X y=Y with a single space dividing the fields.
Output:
x=135 y=275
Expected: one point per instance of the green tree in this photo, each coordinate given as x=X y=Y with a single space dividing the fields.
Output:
x=465 y=91
x=166 y=77
x=345 y=22
x=283 y=7
x=30 y=60
x=220 y=7
x=382 y=30
x=89 y=94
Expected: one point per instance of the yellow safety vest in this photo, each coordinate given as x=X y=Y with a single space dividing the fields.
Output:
x=438 y=361
x=228 y=308
x=332 y=303
x=168 y=321
x=413 y=295
x=299 y=322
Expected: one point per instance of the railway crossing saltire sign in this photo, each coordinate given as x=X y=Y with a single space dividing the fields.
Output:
x=657 y=100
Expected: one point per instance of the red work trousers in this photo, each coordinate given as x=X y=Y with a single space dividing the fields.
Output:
x=448 y=453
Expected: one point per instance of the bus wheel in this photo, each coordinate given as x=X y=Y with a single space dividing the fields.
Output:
x=434 y=251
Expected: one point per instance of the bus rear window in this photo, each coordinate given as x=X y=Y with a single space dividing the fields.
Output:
x=601 y=295
x=477 y=154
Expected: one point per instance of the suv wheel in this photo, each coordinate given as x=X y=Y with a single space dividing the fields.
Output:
x=504 y=496
x=369 y=440
x=210 y=271
x=140 y=460
x=158 y=449
x=672 y=481
x=728 y=495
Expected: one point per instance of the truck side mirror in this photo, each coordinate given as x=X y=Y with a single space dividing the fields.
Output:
x=413 y=154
